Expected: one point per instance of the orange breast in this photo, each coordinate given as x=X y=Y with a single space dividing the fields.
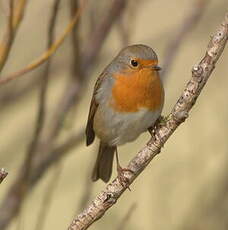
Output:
x=137 y=89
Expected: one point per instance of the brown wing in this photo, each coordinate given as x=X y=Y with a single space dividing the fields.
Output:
x=90 y=134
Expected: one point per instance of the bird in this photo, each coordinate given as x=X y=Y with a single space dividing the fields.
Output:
x=127 y=100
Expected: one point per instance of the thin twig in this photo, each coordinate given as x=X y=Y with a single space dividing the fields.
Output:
x=185 y=28
x=124 y=30
x=3 y=174
x=27 y=165
x=76 y=73
x=100 y=34
x=16 y=12
x=22 y=182
x=77 y=76
x=200 y=74
x=42 y=98
x=14 y=94
x=68 y=98
x=47 y=54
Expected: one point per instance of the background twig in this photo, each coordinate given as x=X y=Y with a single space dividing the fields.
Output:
x=44 y=57
x=16 y=12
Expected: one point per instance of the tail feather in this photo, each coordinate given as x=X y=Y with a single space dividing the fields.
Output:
x=103 y=166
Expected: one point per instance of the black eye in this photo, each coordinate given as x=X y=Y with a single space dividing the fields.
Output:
x=134 y=63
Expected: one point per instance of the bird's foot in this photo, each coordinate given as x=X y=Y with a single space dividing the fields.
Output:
x=159 y=122
x=122 y=178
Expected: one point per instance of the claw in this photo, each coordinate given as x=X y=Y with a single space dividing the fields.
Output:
x=122 y=179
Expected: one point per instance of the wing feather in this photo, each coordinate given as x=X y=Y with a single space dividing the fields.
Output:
x=90 y=134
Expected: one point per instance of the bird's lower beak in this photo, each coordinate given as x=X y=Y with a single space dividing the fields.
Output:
x=157 y=68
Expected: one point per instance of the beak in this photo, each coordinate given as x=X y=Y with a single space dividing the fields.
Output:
x=153 y=67
x=157 y=68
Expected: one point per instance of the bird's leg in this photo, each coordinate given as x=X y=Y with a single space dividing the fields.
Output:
x=123 y=180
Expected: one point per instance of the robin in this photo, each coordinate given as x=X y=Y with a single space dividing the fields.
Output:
x=127 y=100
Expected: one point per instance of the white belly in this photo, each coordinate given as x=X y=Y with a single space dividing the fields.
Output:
x=118 y=128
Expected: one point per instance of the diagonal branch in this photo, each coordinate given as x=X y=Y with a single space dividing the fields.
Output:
x=3 y=174
x=200 y=74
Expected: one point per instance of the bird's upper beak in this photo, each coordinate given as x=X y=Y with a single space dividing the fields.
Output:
x=154 y=67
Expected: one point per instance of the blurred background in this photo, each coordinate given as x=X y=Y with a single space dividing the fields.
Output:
x=44 y=113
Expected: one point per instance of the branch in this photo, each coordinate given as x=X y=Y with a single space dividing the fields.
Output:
x=16 y=13
x=42 y=98
x=23 y=179
x=3 y=174
x=200 y=75
x=47 y=54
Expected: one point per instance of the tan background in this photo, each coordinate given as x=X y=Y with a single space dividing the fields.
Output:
x=185 y=187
